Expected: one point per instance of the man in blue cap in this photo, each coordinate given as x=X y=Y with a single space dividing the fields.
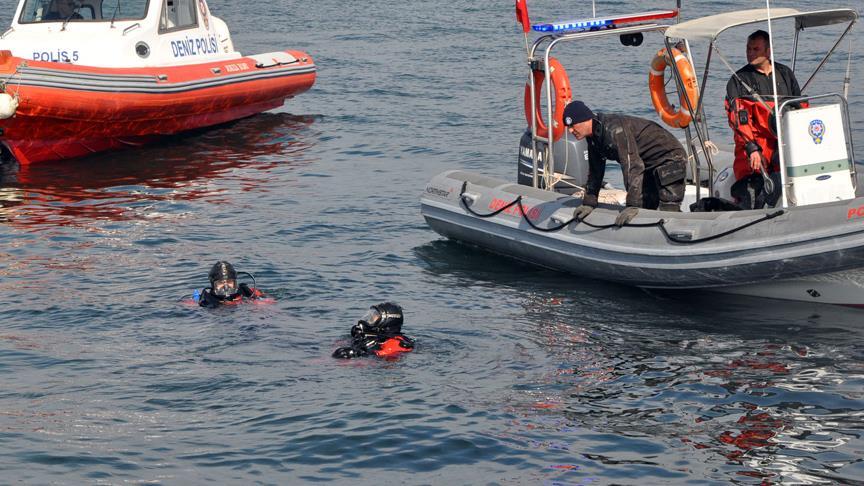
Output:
x=652 y=160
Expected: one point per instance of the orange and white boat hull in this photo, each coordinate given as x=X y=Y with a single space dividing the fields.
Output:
x=67 y=110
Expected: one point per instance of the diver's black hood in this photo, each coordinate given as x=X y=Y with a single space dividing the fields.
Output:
x=383 y=319
x=222 y=270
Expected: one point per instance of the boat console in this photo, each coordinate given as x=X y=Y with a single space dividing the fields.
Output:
x=817 y=153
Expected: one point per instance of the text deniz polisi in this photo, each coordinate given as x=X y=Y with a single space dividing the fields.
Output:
x=194 y=46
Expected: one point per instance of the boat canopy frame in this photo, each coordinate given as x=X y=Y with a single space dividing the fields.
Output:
x=709 y=28
x=544 y=45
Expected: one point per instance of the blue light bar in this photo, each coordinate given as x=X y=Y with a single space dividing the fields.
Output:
x=572 y=26
x=604 y=22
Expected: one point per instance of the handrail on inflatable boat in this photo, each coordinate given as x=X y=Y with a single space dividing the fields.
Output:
x=700 y=123
x=553 y=40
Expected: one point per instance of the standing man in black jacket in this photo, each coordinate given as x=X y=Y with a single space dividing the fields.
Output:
x=652 y=160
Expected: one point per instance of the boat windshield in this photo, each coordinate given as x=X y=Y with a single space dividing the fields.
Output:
x=38 y=11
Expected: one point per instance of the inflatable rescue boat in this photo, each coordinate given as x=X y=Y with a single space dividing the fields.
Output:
x=793 y=250
x=83 y=76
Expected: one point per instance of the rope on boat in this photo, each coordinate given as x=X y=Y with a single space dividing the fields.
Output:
x=661 y=223
x=17 y=72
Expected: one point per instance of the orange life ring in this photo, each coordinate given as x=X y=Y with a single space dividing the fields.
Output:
x=656 y=83
x=563 y=95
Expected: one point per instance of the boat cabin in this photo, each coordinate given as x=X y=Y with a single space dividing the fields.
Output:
x=118 y=33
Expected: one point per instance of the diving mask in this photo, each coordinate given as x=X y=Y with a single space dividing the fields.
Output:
x=384 y=318
x=225 y=287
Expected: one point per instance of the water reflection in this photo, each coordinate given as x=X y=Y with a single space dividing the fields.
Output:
x=772 y=404
x=470 y=266
x=753 y=390
x=178 y=168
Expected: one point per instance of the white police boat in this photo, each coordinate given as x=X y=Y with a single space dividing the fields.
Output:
x=809 y=247
x=82 y=76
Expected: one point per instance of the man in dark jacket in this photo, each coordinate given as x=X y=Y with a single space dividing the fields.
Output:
x=652 y=160
x=750 y=105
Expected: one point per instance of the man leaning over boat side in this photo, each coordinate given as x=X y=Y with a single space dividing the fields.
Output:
x=652 y=160
x=750 y=105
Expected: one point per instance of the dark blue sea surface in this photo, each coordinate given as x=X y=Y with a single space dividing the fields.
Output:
x=521 y=375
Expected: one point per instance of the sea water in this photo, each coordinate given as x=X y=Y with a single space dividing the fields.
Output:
x=521 y=375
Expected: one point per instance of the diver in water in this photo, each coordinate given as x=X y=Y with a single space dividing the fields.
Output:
x=378 y=332
x=224 y=288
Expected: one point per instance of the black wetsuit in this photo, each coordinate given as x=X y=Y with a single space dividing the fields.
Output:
x=787 y=85
x=652 y=161
x=209 y=299
x=384 y=345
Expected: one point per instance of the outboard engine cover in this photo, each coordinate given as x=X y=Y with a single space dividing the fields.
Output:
x=571 y=159
x=723 y=183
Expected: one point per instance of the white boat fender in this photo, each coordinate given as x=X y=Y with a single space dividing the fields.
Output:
x=8 y=105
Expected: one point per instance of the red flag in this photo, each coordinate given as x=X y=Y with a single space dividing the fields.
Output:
x=522 y=15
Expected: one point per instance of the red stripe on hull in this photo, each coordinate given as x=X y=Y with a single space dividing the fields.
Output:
x=55 y=123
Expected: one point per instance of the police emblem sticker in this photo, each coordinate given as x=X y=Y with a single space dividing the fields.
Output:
x=817 y=131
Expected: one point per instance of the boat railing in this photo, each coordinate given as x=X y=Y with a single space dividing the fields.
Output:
x=545 y=52
x=802 y=20
x=136 y=25
x=700 y=125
